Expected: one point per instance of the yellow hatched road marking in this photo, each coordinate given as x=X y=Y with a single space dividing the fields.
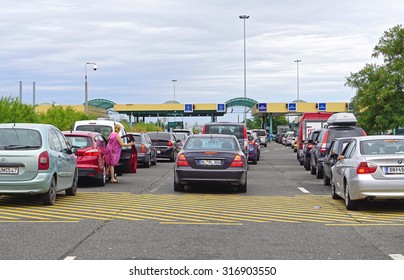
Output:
x=202 y=209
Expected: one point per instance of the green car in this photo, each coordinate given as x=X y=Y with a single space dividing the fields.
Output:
x=36 y=159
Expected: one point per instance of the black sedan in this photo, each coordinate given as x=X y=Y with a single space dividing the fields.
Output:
x=211 y=158
x=146 y=152
x=166 y=144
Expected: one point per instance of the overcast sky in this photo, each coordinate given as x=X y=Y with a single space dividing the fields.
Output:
x=141 y=46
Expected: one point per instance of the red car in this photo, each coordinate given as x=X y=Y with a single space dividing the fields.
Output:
x=90 y=154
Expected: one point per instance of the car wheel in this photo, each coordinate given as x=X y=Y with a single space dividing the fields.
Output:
x=154 y=162
x=326 y=180
x=334 y=195
x=319 y=173
x=148 y=162
x=49 y=197
x=172 y=158
x=73 y=189
x=265 y=145
x=306 y=165
x=242 y=188
x=103 y=180
x=350 y=204
x=178 y=187
x=312 y=170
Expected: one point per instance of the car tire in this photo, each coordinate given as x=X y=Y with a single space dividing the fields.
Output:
x=103 y=180
x=312 y=170
x=319 y=173
x=148 y=162
x=49 y=197
x=350 y=204
x=326 y=180
x=178 y=187
x=154 y=162
x=242 y=188
x=334 y=195
x=172 y=158
x=73 y=189
x=265 y=145
x=306 y=165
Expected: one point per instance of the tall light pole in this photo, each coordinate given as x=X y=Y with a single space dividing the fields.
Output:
x=244 y=17
x=86 y=84
x=297 y=63
x=174 y=81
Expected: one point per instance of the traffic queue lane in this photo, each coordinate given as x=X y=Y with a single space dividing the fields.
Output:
x=280 y=192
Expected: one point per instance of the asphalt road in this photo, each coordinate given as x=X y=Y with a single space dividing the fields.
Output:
x=286 y=214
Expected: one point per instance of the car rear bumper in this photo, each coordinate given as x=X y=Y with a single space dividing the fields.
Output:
x=194 y=175
x=89 y=172
x=368 y=187
x=40 y=184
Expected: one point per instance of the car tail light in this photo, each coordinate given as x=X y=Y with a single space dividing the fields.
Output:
x=237 y=161
x=323 y=148
x=43 y=161
x=182 y=160
x=204 y=129
x=365 y=168
x=143 y=149
x=169 y=144
x=92 y=152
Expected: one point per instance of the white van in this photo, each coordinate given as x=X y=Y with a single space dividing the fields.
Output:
x=105 y=127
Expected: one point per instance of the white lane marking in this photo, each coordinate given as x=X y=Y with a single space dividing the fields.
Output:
x=396 y=256
x=69 y=258
x=303 y=190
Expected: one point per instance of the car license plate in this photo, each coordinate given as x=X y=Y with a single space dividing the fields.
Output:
x=9 y=170
x=210 y=162
x=394 y=170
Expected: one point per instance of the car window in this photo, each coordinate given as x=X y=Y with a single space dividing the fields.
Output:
x=344 y=132
x=100 y=142
x=218 y=144
x=63 y=141
x=138 y=138
x=54 y=141
x=382 y=146
x=350 y=149
x=26 y=138
x=236 y=130
x=79 y=141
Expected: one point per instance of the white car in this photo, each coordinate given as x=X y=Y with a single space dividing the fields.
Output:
x=370 y=167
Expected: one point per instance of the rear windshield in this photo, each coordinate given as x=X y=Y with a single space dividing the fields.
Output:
x=236 y=130
x=216 y=144
x=138 y=138
x=344 y=132
x=260 y=132
x=162 y=135
x=382 y=146
x=20 y=139
x=180 y=136
x=79 y=141
x=105 y=130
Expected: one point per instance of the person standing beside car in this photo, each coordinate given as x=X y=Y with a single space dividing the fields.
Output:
x=113 y=151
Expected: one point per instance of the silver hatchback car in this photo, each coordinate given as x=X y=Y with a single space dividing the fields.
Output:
x=36 y=159
x=370 y=167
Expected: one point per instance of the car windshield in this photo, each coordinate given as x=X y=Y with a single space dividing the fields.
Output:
x=19 y=138
x=180 y=136
x=236 y=130
x=382 y=146
x=105 y=130
x=216 y=144
x=159 y=135
x=260 y=132
x=79 y=141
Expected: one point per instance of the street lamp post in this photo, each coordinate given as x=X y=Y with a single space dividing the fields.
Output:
x=174 y=81
x=86 y=84
x=297 y=63
x=244 y=17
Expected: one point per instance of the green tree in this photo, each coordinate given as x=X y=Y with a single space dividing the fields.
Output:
x=379 y=95
x=62 y=118
x=12 y=110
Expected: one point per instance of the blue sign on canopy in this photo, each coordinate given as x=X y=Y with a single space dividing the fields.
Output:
x=322 y=107
x=188 y=108
x=262 y=107
x=292 y=107
x=221 y=107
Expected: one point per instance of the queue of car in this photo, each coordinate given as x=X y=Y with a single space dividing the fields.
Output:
x=357 y=167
